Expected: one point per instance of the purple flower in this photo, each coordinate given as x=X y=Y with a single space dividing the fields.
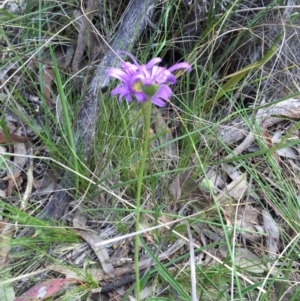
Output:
x=145 y=81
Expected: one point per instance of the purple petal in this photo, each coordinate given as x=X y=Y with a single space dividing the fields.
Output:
x=162 y=75
x=164 y=92
x=117 y=73
x=130 y=55
x=115 y=91
x=147 y=81
x=128 y=97
x=162 y=96
x=153 y=62
x=122 y=91
x=144 y=71
x=157 y=101
x=129 y=68
x=158 y=74
x=181 y=66
x=140 y=96
x=168 y=77
x=136 y=76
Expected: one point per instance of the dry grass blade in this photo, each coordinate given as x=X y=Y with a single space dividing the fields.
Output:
x=192 y=263
x=27 y=193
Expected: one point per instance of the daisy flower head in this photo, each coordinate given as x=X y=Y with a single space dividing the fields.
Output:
x=144 y=82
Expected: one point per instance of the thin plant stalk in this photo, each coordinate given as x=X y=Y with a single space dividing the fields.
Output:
x=146 y=108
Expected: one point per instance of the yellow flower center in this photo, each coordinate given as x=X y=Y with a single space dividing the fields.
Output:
x=137 y=87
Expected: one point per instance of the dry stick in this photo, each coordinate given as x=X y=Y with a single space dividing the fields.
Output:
x=192 y=263
x=133 y=23
x=84 y=36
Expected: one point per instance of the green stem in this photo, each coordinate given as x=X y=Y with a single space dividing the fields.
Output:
x=146 y=108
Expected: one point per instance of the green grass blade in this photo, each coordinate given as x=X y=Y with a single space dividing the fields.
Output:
x=166 y=275
x=63 y=99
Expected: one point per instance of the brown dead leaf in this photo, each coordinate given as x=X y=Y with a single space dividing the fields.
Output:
x=236 y=189
x=15 y=167
x=215 y=179
x=9 y=73
x=93 y=239
x=47 y=184
x=287 y=152
x=147 y=236
x=164 y=219
x=175 y=188
x=266 y=136
x=17 y=181
x=12 y=138
x=248 y=261
x=48 y=76
x=5 y=233
x=273 y=234
x=244 y=259
x=184 y=185
x=248 y=218
x=166 y=139
x=46 y=289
